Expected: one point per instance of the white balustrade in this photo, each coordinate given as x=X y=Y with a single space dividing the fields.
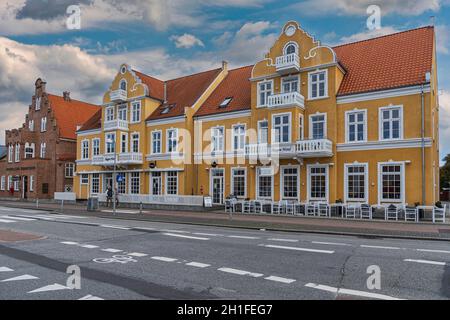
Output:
x=286 y=99
x=118 y=95
x=288 y=62
x=116 y=124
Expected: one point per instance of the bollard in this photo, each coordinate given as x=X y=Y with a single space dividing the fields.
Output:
x=37 y=203
x=62 y=206
x=140 y=207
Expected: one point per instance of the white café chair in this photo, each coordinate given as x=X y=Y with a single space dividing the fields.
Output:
x=366 y=211
x=310 y=209
x=411 y=214
x=392 y=212
x=277 y=207
x=352 y=211
x=256 y=206
x=323 y=210
x=246 y=206
x=439 y=214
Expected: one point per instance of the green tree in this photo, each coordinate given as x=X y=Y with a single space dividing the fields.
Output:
x=445 y=173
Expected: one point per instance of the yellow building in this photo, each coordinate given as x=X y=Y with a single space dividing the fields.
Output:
x=309 y=122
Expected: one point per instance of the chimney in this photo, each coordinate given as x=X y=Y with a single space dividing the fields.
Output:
x=66 y=95
x=165 y=91
x=224 y=65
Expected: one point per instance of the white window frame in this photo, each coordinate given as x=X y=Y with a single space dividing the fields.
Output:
x=233 y=169
x=325 y=134
x=30 y=146
x=31 y=187
x=219 y=140
x=366 y=182
x=380 y=123
x=114 y=143
x=310 y=74
x=43 y=150
x=282 y=174
x=257 y=184
x=84 y=147
x=10 y=182
x=136 y=112
x=159 y=132
x=69 y=167
x=123 y=139
x=327 y=181
x=10 y=153
x=290 y=79
x=169 y=140
x=31 y=125
x=95 y=147
x=272 y=135
x=166 y=179
x=3 y=183
x=132 y=140
x=156 y=175
x=92 y=183
x=109 y=113
x=43 y=124
x=84 y=179
x=126 y=84
x=301 y=127
x=267 y=132
x=402 y=182
x=37 y=105
x=130 y=179
x=259 y=84
x=17 y=153
x=239 y=136
x=288 y=44
x=347 y=125
x=120 y=109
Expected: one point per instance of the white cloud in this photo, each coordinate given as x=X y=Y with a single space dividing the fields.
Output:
x=444 y=122
x=186 y=41
x=351 y=7
x=368 y=34
x=443 y=39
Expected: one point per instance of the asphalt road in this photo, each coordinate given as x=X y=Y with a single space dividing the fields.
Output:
x=121 y=259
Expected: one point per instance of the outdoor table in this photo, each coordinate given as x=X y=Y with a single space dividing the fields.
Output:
x=422 y=210
x=380 y=206
x=339 y=207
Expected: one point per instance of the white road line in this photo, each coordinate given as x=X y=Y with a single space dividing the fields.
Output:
x=438 y=263
x=7 y=221
x=70 y=243
x=183 y=236
x=88 y=246
x=52 y=287
x=379 y=247
x=297 y=248
x=350 y=292
x=282 y=240
x=114 y=227
x=21 y=278
x=5 y=269
x=137 y=254
x=331 y=243
x=198 y=264
x=165 y=259
x=243 y=237
x=241 y=272
x=90 y=297
x=208 y=234
x=174 y=231
x=18 y=218
x=111 y=250
x=280 y=279
x=434 y=251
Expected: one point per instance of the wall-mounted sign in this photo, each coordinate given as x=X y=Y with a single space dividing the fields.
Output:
x=152 y=165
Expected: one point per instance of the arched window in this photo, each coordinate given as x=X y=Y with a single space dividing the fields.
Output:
x=290 y=48
x=123 y=85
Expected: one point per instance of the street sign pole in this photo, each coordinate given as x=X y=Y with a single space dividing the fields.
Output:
x=114 y=181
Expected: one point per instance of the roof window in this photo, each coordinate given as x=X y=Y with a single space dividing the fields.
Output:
x=225 y=102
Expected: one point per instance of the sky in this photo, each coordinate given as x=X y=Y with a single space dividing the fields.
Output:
x=170 y=38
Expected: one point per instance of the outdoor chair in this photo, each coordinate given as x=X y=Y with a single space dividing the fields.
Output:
x=366 y=211
x=310 y=209
x=246 y=207
x=411 y=214
x=439 y=214
x=323 y=210
x=257 y=206
x=392 y=212
x=352 y=211
x=290 y=207
x=277 y=207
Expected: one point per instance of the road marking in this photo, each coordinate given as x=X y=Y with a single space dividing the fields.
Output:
x=280 y=279
x=438 y=263
x=143 y=228
x=350 y=292
x=90 y=297
x=282 y=240
x=88 y=246
x=208 y=234
x=243 y=237
x=45 y=217
x=111 y=250
x=165 y=259
x=174 y=231
x=7 y=221
x=137 y=254
x=241 y=272
x=297 y=248
x=379 y=247
x=52 y=287
x=71 y=243
x=20 y=278
x=198 y=264
x=435 y=251
x=114 y=227
x=5 y=269
x=183 y=236
x=331 y=243
x=120 y=211
x=18 y=218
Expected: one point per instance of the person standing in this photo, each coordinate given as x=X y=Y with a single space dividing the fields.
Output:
x=109 y=196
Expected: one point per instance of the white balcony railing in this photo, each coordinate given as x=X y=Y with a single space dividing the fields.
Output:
x=116 y=124
x=118 y=95
x=122 y=159
x=286 y=99
x=157 y=199
x=288 y=63
x=301 y=149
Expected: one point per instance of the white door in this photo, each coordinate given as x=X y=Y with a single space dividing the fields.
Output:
x=217 y=186
x=156 y=183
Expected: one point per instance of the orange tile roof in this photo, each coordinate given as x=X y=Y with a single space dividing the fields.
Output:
x=155 y=86
x=70 y=114
x=236 y=85
x=183 y=92
x=386 y=62
x=94 y=122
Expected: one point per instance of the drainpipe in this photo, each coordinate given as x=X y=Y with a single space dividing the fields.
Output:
x=423 y=143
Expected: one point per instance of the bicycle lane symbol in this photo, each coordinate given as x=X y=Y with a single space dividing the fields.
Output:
x=117 y=258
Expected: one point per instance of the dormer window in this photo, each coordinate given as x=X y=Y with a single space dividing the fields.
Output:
x=225 y=102
x=123 y=85
x=38 y=104
x=166 y=109
x=290 y=48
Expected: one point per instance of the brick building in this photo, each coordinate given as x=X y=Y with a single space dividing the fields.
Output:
x=40 y=156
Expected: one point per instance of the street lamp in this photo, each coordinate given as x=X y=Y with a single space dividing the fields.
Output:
x=112 y=143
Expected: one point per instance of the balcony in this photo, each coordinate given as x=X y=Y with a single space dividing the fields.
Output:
x=116 y=124
x=122 y=159
x=288 y=63
x=301 y=149
x=118 y=95
x=286 y=100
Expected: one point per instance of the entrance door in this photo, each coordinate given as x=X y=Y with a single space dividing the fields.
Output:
x=217 y=186
x=24 y=187
x=156 y=183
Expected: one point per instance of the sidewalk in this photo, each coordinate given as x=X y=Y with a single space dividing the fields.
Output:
x=374 y=228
